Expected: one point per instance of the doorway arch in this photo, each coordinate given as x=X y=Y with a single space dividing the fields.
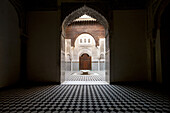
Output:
x=69 y=20
x=81 y=11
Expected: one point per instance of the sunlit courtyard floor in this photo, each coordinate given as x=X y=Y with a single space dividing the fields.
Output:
x=90 y=78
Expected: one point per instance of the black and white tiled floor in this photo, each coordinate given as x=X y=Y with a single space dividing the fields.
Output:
x=85 y=78
x=91 y=78
x=83 y=99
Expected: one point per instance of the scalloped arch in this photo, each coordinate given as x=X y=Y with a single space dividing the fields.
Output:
x=85 y=10
x=83 y=51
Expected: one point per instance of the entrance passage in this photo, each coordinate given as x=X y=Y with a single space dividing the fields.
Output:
x=85 y=48
x=85 y=62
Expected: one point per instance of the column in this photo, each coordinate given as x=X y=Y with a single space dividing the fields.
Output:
x=71 y=65
x=99 y=64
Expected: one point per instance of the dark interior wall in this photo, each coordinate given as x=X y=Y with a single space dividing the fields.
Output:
x=128 y=46
x=9 y=44
x=42 y=46
x=165 y=45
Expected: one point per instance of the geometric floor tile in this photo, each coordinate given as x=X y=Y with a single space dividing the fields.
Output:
x=83 y=99
x=93 y=78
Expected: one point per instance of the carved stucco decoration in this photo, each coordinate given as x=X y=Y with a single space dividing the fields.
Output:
x=85 y=10
x=155 y=5
x=19 y=7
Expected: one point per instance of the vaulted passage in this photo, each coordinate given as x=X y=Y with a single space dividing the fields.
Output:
x=84 y=50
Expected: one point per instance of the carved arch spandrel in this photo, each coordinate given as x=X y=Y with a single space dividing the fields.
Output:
x=85 y=10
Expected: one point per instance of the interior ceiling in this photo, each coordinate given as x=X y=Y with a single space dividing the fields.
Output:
x=112 y=4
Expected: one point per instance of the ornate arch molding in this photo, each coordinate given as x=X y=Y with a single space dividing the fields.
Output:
x=19 y=7
x=83 y=51
x=159 y=12
x=85 y=10
x=157 y=16
x=95 y=39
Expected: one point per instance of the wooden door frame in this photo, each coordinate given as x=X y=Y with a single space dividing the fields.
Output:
x=80 y=61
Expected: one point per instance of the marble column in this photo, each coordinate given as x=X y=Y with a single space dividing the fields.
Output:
x=71 y=65
x=99 y=64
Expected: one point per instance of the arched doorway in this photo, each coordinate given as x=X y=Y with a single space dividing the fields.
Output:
x=85 y=62
x=99 y=34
